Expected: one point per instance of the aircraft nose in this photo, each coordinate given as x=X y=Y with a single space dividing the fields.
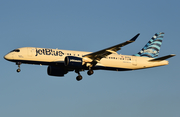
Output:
x=7 y=57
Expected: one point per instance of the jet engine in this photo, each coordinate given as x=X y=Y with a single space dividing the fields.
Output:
x=56 y=71
x=72 y=61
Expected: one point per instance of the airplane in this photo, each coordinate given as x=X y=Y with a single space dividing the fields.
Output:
x=60 y=62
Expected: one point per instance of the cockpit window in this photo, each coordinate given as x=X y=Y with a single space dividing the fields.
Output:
x=15 y=50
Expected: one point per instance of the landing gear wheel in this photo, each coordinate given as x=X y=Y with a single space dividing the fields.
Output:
x=18 y=70
x=18 y=63
x=90 y=72
x=78 y=78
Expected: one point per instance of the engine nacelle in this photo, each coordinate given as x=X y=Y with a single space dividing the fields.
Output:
x=72 y=61
x=56 y=71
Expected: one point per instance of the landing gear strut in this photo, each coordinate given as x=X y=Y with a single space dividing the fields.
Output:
x=79 y=77
x=18 y=63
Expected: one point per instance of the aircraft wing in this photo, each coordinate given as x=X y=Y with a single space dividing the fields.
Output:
x=97 y=56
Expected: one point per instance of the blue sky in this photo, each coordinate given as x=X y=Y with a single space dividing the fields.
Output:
x=89 y=26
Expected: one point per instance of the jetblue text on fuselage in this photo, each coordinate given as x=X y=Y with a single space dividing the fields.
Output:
x=50 y=52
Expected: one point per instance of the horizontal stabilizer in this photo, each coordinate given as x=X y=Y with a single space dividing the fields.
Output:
x=162 y=58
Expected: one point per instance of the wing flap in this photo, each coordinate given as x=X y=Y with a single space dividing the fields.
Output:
x=162 y=58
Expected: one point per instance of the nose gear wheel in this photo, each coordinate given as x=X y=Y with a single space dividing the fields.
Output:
x=18 y=63
x=18 y=70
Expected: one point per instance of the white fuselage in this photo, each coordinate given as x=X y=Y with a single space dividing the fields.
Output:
x=45 y=56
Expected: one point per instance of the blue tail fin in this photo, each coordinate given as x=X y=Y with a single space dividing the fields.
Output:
x=152 y=48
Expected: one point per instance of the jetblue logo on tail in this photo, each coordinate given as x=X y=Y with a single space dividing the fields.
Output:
x=152 y=48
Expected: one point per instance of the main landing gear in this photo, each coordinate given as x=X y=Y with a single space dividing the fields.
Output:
x=79 y=77
x=90 y=72
x=18 y=63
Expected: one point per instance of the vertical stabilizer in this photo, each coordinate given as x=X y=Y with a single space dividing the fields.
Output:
x=152 y=48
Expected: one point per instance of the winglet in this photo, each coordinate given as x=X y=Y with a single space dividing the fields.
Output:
x=134 y=38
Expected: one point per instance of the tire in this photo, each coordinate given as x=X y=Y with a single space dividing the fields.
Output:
x=78 y=78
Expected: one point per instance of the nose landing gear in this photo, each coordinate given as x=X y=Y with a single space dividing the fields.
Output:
x=18 y=70
x=18 y=63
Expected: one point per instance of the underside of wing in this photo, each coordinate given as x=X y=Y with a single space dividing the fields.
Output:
x=97 y=56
